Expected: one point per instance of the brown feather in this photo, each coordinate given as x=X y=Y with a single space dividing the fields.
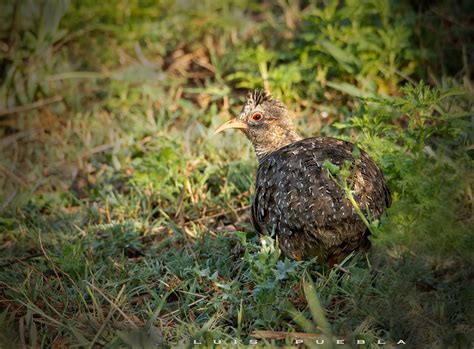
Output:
x=297 y=201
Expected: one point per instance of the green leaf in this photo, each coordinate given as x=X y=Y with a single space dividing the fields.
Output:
x=317 y=311
x=334 y=169
x=338 y=53
x=349 y=89
x=356 y=152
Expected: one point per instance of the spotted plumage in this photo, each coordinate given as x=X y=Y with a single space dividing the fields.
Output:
x=296 y=201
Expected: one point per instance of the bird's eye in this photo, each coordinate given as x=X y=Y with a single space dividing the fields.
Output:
x=257 y=116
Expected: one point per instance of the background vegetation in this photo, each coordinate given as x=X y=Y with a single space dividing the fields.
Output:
x=125 y=221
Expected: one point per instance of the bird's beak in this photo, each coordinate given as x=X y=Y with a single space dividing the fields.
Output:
x=233 y=123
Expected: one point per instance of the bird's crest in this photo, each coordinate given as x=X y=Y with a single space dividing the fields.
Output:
x=257 y=97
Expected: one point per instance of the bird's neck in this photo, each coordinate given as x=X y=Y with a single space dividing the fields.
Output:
x=277 y=140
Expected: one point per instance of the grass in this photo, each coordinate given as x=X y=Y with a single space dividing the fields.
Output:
x=124 y=221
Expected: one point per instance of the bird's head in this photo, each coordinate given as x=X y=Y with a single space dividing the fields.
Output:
x=265 y=121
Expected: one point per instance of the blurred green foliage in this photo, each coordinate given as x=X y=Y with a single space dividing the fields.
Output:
x=28 y=32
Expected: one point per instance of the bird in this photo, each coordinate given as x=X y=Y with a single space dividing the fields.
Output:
x=297 y=200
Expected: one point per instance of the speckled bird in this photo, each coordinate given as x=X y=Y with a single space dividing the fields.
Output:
x=296 y=200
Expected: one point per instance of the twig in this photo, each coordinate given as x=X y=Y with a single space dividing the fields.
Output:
x=83 y=156
x=6 y=141
x=9 y=199
x=348 y=193
x=344 y=270
x=218 y=214
x=358 y=210
x=21 y=259
x=53 y=266
x=71 y=36
x=27 y=107
x=109 y=316
x=178 y=310
x=114 y=305
x=13 y=176
x=406 y=77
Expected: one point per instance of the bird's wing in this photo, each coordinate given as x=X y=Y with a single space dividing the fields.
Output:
x=295 y=193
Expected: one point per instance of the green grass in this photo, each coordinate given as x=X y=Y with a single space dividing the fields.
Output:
x=125 y=221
